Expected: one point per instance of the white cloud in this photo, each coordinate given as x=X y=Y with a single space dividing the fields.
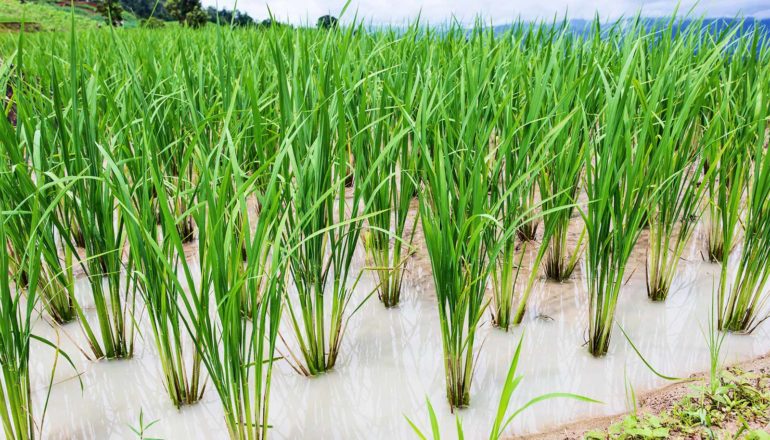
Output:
x=495 y=11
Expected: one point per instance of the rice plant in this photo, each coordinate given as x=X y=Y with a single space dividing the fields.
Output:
x=25 y=182
x=324 y=223
x=559 y=180
x=236 y=351
x=15 y=337
x=743 y=305
x=92 y=206
x=503 y=417
x=672 y=99
x=619 y=180
x=617 y=185
x=153 y=258
x=518 y=156
x=454 y=208
x=386 y=168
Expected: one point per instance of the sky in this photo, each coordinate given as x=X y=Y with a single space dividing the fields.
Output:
x=492 y=11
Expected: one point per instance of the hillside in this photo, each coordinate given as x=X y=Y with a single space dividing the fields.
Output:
x=51 y=15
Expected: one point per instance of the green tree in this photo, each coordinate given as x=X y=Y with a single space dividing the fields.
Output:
x=180 y=9
x=196 y=18
x=327 y=22
x=111 y=11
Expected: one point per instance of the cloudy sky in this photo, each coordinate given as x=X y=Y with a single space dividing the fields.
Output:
x=495 y=11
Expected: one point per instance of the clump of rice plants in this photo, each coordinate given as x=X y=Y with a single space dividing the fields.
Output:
x=454 y=219
x=154 y=258
x=237 y=351
x=727 y=132
x=672 y=99
x=617 y=186
x=324 y=224
x=715 y=138
x=15 y=337
x=386 y=169
x=560 y=178
x=454 y=207
x=619 y=182
x=519 y=144
x=743 y=305
x=92 y=205
x=502 y=417
x=25 y=184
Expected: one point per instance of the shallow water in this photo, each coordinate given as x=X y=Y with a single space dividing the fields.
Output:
x=391 y=362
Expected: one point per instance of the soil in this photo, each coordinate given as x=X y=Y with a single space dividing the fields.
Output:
x=653 y=402
x=15 y=26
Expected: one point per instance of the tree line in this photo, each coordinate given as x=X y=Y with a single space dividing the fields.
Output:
x=190 y=13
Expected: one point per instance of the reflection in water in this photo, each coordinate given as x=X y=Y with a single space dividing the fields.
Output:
x=391 y=361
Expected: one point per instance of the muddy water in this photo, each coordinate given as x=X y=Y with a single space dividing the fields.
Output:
x=391 y=362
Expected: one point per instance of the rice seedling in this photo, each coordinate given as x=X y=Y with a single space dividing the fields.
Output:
x=91 y=203
x=672 y=98
x=527 y=122
x=18 y=299
x=324 y=224
x=519 y=157
x=237 y=351
x=23 y=188
x=458 y=216
x=743 y=305
x=715 y=134
x=15 y=336
x=616 y=185
x=153 y=259
x=727 y=163
x=560 y=177
x=386 y=165
x=141 y=429
x=503 y=417
x=242 y=375
x=715 y=340
x=25 y=184
x=455 y=213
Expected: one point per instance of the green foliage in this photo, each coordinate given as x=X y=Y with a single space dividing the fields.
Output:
x=118 y=148
x=324 y=223
x=738 y=399
x=647 y=427
x=152 y=23
x=179 y=9
x=327 y=22
x=112 y=12
x=196 y=18
x=141 y=429
x=46 y=16
x=145 y=9
x=743 y=306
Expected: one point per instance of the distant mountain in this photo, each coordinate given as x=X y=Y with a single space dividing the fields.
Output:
x=586 y=27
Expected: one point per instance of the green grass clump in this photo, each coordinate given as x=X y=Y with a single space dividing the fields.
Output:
x=617 y=184
x=733 y=408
